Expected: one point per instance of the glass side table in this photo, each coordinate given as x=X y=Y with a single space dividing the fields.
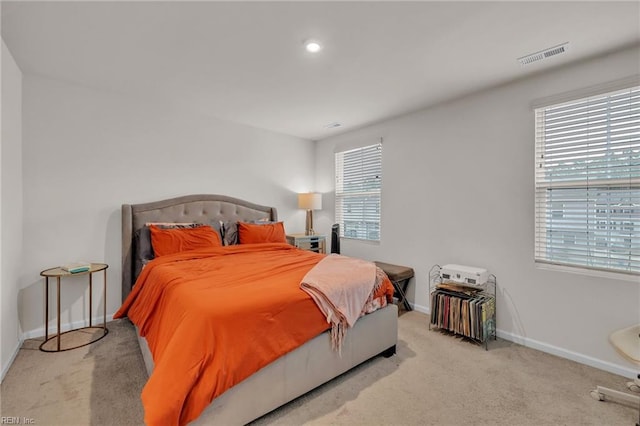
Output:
x=77 y=337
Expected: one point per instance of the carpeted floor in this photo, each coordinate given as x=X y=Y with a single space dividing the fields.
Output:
x=435 y=379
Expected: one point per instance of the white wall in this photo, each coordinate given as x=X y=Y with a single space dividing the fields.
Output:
x=11 y=208
x=458 y=188
x=86 y=152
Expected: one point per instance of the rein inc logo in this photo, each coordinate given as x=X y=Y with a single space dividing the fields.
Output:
x=6 y=420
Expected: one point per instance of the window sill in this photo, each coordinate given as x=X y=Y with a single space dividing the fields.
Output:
x=360 y=240
x=590 y=272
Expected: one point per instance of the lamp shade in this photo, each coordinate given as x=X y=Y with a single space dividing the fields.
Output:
x=310 y=201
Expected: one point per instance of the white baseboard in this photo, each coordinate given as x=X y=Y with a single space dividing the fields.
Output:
x=567 y=354
x=420 y=308
x=5 y=368
x=554 y=350
x=39 y=332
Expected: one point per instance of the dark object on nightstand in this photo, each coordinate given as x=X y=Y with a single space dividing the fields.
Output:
x=399 y=276
x=335 y=238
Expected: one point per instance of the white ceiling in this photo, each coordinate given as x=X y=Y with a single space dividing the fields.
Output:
x=244 y=61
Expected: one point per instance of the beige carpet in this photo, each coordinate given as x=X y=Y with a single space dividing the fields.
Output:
x=435 y=379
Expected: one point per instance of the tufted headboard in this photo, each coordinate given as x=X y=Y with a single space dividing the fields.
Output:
x=203 y=208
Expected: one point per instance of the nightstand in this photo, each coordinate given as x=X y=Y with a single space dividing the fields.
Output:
x=85 y=335
x=316 y=243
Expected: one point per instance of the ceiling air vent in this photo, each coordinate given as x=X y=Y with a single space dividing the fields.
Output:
x=544 y=54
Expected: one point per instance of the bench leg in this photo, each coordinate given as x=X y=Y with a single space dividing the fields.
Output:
x=401 y=287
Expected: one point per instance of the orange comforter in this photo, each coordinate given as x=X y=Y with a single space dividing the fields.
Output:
x=214 y=317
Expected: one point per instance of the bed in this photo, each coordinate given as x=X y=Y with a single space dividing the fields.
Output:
x=287 y=377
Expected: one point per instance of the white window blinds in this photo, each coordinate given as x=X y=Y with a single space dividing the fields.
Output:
x=358 y=191
x=587 y=178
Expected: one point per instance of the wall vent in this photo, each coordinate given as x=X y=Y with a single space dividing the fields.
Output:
x=544 y=54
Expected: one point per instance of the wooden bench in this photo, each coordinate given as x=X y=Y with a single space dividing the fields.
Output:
x=399 y=277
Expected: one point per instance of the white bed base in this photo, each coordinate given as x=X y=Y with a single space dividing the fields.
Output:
x=299 y=371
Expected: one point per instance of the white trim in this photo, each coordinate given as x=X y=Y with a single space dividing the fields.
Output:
x=598 y=89
x=361 y=240
x=5 y=369
x=591 y=183
x=554 y=350
x=357 y=143
x=39 y=332
x=570 y=355
x=420 y=308
x=587 y=271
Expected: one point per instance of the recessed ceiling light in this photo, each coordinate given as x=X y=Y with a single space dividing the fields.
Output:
x=312 y=46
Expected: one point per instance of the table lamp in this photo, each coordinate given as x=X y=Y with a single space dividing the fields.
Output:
x=310 y=201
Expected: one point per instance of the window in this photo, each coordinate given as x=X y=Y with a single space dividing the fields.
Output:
x=358 y=187
x=587 y=182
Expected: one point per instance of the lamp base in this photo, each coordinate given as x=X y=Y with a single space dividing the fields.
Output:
x=308 y=230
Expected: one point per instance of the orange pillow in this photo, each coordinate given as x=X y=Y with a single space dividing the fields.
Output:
x=269 y=233
x=175 y=240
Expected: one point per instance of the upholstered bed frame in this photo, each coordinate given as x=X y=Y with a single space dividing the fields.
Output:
x=290 y=376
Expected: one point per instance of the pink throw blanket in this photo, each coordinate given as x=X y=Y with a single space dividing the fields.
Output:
x=340 y=286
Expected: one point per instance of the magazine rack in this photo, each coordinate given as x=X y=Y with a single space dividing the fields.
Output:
x=468 y=311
